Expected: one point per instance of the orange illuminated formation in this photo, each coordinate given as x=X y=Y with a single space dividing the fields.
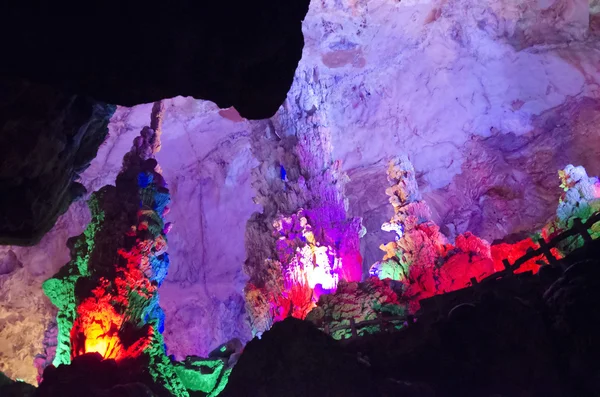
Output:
x=107 y=294
x=98 y=328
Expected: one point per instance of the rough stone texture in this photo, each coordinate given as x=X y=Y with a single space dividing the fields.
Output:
x=297 y=174
x=208 y=174
x=358 y=301
x=47 y=139
x=487 y=117
x=107 y=295
x=24 y=311
x=235 y=53
x=526 y=335
x=206 y=162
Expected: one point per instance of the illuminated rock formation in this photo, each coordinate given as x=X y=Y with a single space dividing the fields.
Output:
x=421 y=257
x=427 y=264
x=359 y=301
x=418 y=241
x=107 y=295
x=303 y=242
x=580 y=200
x=485 y=114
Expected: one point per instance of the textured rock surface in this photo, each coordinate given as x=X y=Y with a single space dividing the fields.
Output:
x=358 y=301
x=206 y=161
x=24 y=311
x=486 y=116
x=47 y=139
x=488 y=99
x=303 y=228
x=107 y=295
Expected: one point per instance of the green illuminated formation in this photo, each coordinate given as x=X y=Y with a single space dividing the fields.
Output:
x=360 y=302
x=205 y=375
x=580 y=200
x=107 y=295
x=61 y=288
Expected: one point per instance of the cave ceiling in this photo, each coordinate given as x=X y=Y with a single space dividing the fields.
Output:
x=64 y=65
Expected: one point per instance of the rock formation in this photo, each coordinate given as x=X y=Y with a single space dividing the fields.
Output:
x=107 y=295
x=580 y=200
x=359 y=301
x=471 y=92
x=418 y=241
x=421 y=256
x=47 y=139
x=488 y=99
x=427 y=264
x=303 y=243
x=515 y=336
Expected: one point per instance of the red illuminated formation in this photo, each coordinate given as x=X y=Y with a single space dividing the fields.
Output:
x=512 y=252
x=96 y=330
x=108 y=294
x=428 y=265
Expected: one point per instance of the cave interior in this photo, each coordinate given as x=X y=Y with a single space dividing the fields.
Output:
x=326 y=198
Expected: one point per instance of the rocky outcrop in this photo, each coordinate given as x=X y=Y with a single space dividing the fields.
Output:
x=477 y=107
x=47 y=138
x=25 y=312
x=107 y=296
x=361 y=301
x=525 y=335
x=296 y=359
x=420 y=256
x=303 y=242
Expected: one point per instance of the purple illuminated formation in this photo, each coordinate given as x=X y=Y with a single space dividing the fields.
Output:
x=304 y=242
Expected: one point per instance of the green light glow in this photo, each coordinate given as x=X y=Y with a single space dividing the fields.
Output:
x=205 y=375
x=60 y=289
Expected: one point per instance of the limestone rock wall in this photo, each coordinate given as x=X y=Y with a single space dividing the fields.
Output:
x=489 y=99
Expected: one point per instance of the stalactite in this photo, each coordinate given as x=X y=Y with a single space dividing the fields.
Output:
x=297 y=182
x=108 y=294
